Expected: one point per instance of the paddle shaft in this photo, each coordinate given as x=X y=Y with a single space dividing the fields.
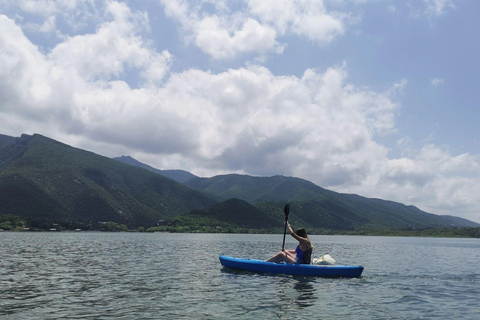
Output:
x=285 y=232
x=286 y=210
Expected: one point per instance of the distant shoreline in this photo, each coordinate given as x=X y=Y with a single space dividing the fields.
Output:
x=426 y=233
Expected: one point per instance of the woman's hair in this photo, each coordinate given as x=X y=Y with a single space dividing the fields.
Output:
x=302 y=233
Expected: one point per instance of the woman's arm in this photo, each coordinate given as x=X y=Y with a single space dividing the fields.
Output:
x=290 y=228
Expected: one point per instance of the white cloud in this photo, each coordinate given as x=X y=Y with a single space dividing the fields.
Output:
x=301 y=17
x=49 y=25
x=49 y=11
x=23 y=72
x=48 y=7
x=223 y=34
x=115 y=46
x=437 y=81
x=438 y=8
x=216 y=40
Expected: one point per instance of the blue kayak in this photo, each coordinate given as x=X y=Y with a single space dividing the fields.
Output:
x=262 y=266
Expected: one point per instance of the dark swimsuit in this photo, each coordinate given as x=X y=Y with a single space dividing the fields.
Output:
x=303 y=257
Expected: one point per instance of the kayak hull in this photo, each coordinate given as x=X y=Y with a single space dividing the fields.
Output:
x=261 y=266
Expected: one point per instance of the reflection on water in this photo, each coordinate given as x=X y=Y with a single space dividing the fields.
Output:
x=306 y=293
x=303 y=294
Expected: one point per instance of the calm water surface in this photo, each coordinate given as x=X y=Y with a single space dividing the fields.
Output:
x=179 y=276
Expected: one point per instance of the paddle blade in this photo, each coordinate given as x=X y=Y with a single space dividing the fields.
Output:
x=286 y=210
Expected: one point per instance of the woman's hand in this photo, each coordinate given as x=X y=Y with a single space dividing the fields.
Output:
x=289 y=227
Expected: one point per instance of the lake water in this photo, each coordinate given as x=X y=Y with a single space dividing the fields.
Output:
x=178 y=276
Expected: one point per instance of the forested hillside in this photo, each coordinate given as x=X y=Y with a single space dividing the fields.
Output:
x=41 y=177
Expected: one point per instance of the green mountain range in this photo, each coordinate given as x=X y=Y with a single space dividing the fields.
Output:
x=41 y=178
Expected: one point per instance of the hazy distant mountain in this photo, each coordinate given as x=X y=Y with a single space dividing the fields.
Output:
x=177 y=175
x=41 y=177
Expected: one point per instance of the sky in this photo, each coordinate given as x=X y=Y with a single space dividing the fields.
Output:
x=374 y=97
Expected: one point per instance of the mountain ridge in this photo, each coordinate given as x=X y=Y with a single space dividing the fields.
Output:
x=177 y=175
x=44 y=178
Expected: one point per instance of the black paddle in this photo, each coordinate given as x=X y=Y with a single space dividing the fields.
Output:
x=286 y=210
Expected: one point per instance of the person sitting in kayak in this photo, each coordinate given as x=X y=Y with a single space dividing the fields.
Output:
x=302 y=254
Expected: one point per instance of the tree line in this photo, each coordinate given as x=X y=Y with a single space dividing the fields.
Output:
x=10 y=222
